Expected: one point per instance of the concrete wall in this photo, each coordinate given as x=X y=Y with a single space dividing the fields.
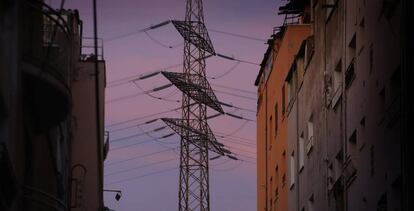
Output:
x=355 y=160
x=87 y=148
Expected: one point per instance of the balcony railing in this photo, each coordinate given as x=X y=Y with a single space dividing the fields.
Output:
x=50 y=39
x=88 y=48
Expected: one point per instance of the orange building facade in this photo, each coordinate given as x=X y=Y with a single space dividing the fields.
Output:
x=272 y=124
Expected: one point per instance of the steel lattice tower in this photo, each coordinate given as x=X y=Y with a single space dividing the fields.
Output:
x=197 y=139
x=194 y=165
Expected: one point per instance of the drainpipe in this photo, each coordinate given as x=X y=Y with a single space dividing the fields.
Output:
x=266 y=139
x=297 y=143
x=344 y=108
x=406 y=64
x=98 y=110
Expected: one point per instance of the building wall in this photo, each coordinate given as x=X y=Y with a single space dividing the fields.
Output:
x=36 y=108
x=87 y=148
x=351 y=88
x=349 y=91
x=272 y=144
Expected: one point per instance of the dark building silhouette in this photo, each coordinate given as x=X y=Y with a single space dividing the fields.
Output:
x=48 y=102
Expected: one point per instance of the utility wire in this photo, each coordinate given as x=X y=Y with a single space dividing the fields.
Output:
x=143 y=117
x=235 y=95
x=156 y=72
x=226 y=72
x=134 y=144
x=236 y=130
x=139 y=134
x=238 y=35
x=133 y=126
x=162 y=44
x=238 y=141
x=235 y=89
x=137 y=157
x=229 y=169
x=155 y=97
x=138 y=167
x=141 y=176
x=128 y=34
x=144 y=92
x=238 y=137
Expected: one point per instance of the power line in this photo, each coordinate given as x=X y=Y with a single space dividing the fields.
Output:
x=143 y=117
x=226 y=72
x=134 y=144
x=238 y=141
x=139 y=167
x=128 y=34
x=237 y=129
x=141 y=176
x=155 y=97
x=238 y=35
x=235 y=89
x=229 y=169
x=144 y=123
x=238 y=137
x=235 y=95
x=137 y=157
x=162 y=44
x=137 y=135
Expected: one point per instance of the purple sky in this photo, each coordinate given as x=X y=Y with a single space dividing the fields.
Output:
x=232 y=184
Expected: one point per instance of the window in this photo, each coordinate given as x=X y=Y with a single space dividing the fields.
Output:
x=309 y=145
x=339 y=160
x=292 y=169
x=292 y=83
x=330 y=6
x=372 y=160
x=271 y=126
x=276 y=119
x=337 y=84
x=301 y=152
x=371 y=58
x=350 y=74
x=310 y=203
x=310 y=128
x=352 y=146
x=381 y=104
x=337 y=77
x=283 y=101
x=277 y=194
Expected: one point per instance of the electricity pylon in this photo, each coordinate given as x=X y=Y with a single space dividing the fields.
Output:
x=197 y=139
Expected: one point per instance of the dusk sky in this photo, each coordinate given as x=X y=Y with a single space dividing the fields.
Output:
x=147 y=172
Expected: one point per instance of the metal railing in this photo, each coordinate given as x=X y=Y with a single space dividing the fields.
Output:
x=87 y=49
x=56 y=48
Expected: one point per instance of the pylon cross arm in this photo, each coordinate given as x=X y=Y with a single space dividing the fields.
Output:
x=200 y=92
x=194 y=136
x=200 y=40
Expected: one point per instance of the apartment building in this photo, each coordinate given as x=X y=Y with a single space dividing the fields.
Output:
x=342 y=109
x=42 y=110
x=272 y=124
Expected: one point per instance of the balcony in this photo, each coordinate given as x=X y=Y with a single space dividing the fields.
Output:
x=48 y=45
